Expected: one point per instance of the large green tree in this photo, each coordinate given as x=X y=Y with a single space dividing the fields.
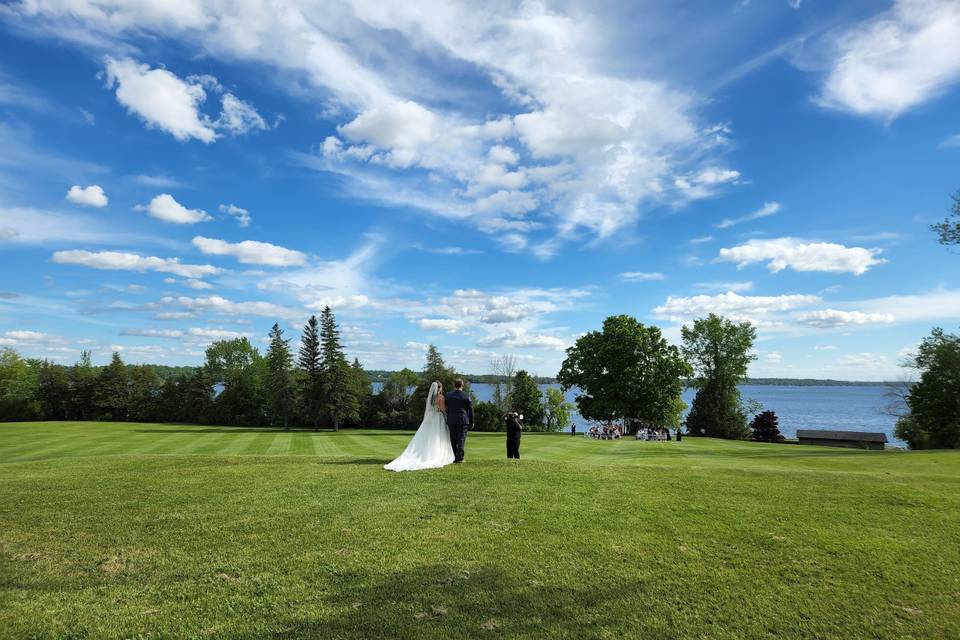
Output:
x=145 y=388
x=19 y=383
x=626 y=370
x=720 y=352
x=948 y=231
x=310 y=379
x=239 y=369
x=339 y=395
x=556 y=410
x=933 y=421
x=53 y=391
x=279 y=385
x=525 y=398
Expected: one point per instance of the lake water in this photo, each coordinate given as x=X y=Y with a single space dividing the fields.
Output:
x=843 y=408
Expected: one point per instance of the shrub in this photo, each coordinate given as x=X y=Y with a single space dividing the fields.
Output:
x=766 y=428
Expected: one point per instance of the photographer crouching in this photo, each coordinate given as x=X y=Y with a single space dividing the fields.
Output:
x=514 y=422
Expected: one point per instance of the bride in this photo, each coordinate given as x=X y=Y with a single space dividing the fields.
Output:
x=430 y=446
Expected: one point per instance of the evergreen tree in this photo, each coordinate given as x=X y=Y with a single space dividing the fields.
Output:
x=83 y=382
x=766 y=427
x=362 y=390
x=113 y=390
x=195 y=397
x=311 y=373
x=339 y=398
x=279 y=377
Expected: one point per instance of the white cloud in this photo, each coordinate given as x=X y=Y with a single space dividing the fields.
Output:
x=895 y=61
x=503 y=155
x=596 y=145
x=223 y=306
x=165 y=207
x=339 y=302
x=829 y=318
x=197 y=284
x=449 y=325
x=724 y=286
x=768 y=209
x=931 y=306
x=773 y=357
x=951 y=142
x=203 y=333
x=825 y=347
x=160 y=181
x=731 y=304
x=642 y=276
x=90 y=196
x=519 y=338
x=799 y=255
x=251 y=252
x=161 y=99
x=701 y=239
x=116 y=260
x=239 y=117
x=866 y=360
x=23 y=337
x=241 y=214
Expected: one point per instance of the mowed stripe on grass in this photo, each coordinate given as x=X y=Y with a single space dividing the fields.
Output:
x=125 y=530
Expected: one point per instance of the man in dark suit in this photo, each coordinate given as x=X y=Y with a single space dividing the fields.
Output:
x=459 y=418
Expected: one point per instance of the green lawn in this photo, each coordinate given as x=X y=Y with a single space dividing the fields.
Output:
x=171 y=531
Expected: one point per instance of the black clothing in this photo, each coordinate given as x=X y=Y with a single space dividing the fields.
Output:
x=679 y=436
x=514 y=429
x=459 y=419
x=459 y=409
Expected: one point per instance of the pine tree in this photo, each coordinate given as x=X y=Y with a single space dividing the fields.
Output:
x=83 y=379
x=113 y=389
x=339 y=397
x=279 y=377
x=311 y=378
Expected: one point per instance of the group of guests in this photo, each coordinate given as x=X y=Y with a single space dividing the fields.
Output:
x=660 y=435
x=610 y=431
x=604 y=432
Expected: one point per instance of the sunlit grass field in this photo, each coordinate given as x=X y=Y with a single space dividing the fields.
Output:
x=112 y=530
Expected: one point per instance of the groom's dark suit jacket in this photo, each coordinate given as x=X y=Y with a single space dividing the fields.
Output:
x=459 y=409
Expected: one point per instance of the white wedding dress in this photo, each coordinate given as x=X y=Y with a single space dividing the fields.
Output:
x=430 y=446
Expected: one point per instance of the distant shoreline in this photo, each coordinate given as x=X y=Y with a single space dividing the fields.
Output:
x=381 y=376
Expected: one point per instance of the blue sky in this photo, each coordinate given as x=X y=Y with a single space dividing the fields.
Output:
x=493 y=180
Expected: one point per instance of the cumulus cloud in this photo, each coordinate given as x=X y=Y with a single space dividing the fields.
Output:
x=194 y=332
x=518 y=337
x=224 y=306
x=24 y=337
x=167 y=102
x=251 y=252
x=768 y=209
x=895 y=61
x=584 y=148
x=165 y=207
x=800 y=255
x=161 y=99
x=117 y=260
x=91 y=196
x=239 y=117
x=449 y=325
x=730 y=304
x=642 y=276
x=241 y=214
x=830 y=318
